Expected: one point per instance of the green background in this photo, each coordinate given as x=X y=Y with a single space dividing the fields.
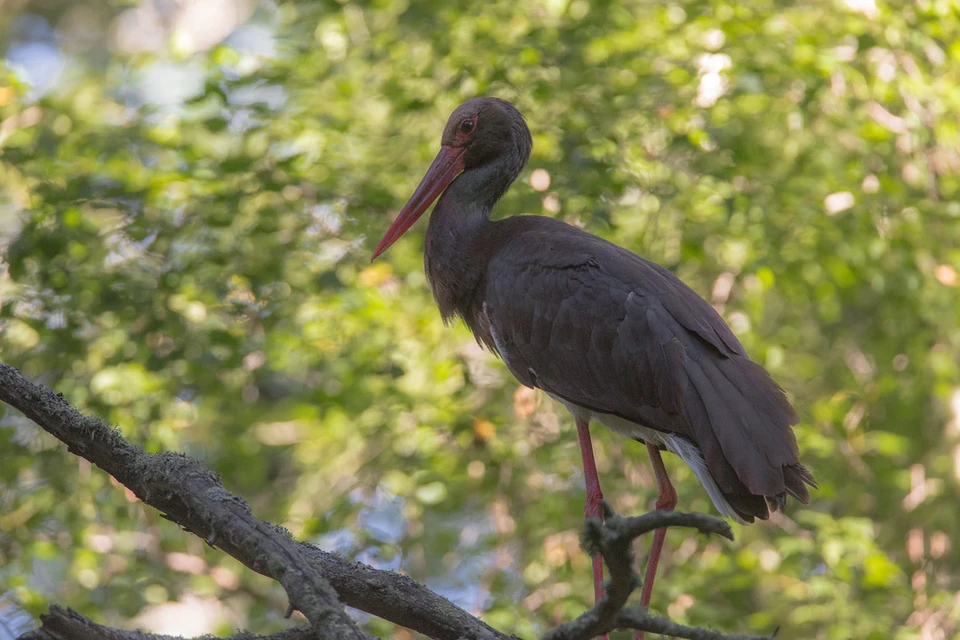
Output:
x=188 y=203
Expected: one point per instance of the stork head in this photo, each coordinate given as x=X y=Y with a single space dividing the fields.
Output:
x=485 y=135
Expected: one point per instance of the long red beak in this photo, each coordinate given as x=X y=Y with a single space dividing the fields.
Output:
x=446 y=166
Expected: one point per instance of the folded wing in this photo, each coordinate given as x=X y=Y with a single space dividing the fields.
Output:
x=604 y=329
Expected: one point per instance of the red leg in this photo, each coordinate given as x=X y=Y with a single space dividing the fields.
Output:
x=593 y=508
x=666 y=500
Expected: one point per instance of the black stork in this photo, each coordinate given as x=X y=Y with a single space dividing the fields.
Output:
x=611 y=336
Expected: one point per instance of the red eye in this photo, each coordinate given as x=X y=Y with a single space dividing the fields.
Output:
x=467 y=126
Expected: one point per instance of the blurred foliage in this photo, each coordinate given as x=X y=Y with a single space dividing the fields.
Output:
x=186 y=231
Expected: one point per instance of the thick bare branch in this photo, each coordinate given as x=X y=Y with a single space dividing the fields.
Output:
x=190 y=495
x=67 y=624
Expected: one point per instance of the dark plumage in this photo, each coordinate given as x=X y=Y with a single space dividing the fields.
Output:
x=611 y=335
x=594 y=324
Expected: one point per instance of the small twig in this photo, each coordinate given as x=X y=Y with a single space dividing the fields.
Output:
x=637 y=526
x=643 y=620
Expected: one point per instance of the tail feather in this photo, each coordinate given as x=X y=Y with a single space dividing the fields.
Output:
x=740 y=415
x=697 y=413
x=797 y=477
x=748 y=506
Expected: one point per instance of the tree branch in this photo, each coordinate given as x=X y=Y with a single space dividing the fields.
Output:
x=187 y=493
x=67 y=624
x=635 y=618
x=190 y=495
x=613 y=539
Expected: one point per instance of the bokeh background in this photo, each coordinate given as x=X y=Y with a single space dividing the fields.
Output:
x=189 y=195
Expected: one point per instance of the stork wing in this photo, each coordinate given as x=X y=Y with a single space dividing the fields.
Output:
x=602 y=328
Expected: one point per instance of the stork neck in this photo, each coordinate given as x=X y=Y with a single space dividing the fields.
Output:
x=463 y=210
x=453 y=227
x=481 y=187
